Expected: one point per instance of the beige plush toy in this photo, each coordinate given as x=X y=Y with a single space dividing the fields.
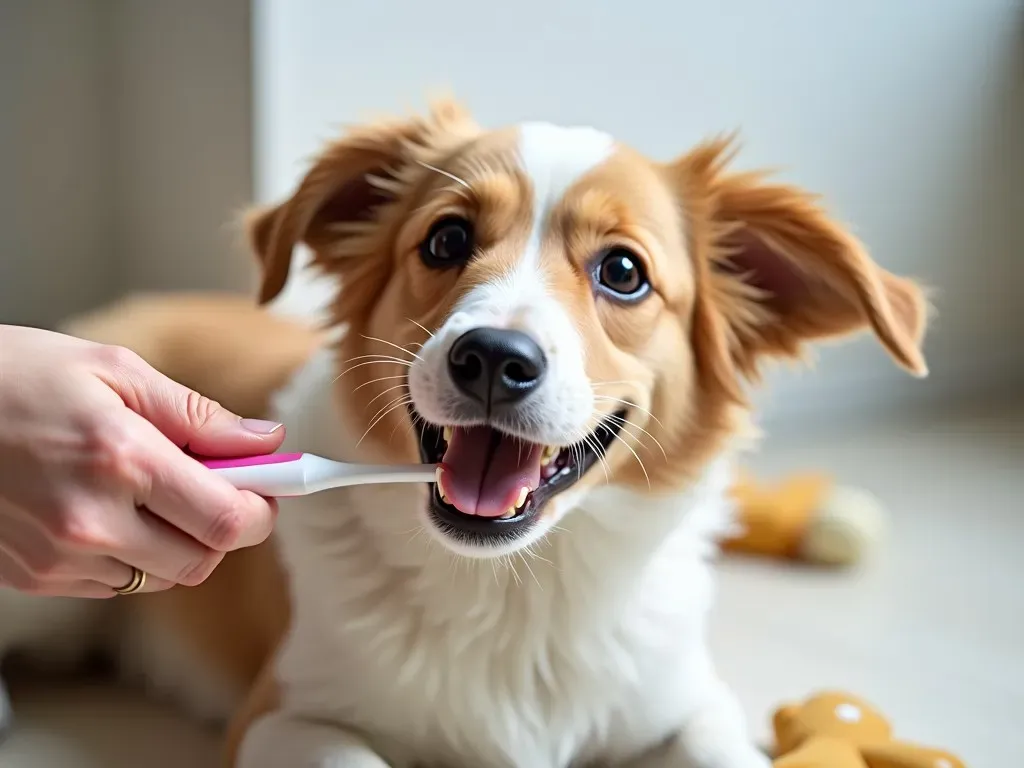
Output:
x=805 y=517
x=837 y=730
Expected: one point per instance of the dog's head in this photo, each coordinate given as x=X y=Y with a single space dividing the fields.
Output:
x=542 y=308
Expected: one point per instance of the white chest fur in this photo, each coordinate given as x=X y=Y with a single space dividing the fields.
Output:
x=593 y=644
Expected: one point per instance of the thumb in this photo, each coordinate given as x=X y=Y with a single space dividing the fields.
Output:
x=189 y=419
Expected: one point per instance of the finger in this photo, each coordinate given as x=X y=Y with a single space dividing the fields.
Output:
x=199 y=502
x=186 y=417
x=13 y=575
x=111 y=530
x=115 y=574
x=43 y=562
x=166 y=553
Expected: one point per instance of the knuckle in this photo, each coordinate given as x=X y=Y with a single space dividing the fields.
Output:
x=266 y=526
x=110 y=448
x=159 y=585
x=117 y=358
x=115 y=459
x=113 y=454
x=227 y=528
x=78 y=528
x=29 y=584
x=200 y=409
x=17 y=579
x=44 y=563
x=198 y=571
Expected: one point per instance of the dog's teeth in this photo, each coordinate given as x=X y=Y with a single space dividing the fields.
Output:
x=511 y=512
x=438 y=475
x=447 y=434
x=549 y=455
x=523 y=493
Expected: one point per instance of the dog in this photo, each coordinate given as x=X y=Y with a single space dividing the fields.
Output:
x=568 y=330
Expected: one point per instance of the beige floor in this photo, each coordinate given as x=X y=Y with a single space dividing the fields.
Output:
x=931 y=628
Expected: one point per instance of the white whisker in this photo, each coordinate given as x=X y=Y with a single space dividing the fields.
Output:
x=445 y=173
x=392 y=344
x=389 y=404
x=637 y=457
x=620 y=420
x=592 y=442
x=530 y=551
x=421 y=327
x=512 y=567
x=380 y=378
x=577 y=451
x=394 y=361
x=381 y=394
x=408 y=429
x=376 y=421
x=527 y=564
x=606 y=398
x=376 y=356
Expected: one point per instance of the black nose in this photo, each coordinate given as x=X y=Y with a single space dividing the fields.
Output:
x=496 y=367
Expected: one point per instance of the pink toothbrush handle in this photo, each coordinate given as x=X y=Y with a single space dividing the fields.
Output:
x=296 y=474
x=276 y=474
x=250 y=461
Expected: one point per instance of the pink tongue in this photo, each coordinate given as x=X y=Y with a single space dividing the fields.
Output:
x=483 y=479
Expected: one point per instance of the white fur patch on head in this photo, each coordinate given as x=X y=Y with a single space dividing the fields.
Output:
x=554 y=159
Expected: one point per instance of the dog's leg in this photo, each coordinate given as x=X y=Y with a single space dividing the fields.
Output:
x=714 y=737
x=280 y=739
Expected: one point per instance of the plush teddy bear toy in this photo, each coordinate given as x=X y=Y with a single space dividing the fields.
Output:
x=805 y=517
x=836 y=730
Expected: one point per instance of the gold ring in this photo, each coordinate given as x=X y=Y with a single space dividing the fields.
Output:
x=138 y=581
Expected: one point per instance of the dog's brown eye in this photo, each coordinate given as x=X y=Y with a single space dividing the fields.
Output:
x=620 y=272
x=448 y=244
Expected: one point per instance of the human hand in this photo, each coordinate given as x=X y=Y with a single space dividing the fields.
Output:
x=93 y=478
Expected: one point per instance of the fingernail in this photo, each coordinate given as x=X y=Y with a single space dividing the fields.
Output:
x=260 y=426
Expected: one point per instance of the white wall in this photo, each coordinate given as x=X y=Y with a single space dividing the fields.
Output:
x=907 y=115
x=55 y=159
x=125 y=150
x=181 y=74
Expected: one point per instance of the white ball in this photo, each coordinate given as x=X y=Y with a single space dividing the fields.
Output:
x=848 y=523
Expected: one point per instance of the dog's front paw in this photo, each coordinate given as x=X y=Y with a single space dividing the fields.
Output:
x=749 y=758
x=716 y=735
x=280 y=739
x=725 y=755
x=678 y=754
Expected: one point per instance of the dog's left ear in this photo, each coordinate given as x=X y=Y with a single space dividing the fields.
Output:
x=775 y=271
x=339 y=195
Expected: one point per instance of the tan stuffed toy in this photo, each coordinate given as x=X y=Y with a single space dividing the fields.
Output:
x=805 y=517
x=836 y=730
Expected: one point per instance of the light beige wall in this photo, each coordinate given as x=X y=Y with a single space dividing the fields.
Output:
x=125 y=150
x=55 y=160
x=907 y=116
x=181 y=74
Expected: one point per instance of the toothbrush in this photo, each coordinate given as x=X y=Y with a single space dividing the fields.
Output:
x=299 y=474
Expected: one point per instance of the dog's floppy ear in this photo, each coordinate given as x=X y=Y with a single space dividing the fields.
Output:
x=350 y=179
x=775 y=272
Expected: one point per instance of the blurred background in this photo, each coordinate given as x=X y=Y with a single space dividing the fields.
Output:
x=133 y=131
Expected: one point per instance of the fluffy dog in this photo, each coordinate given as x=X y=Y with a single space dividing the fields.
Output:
x=567 y=328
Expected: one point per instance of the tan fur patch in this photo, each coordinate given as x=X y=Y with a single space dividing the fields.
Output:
x=741 y=270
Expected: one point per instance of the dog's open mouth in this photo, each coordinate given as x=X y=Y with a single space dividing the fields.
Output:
x=492 y=483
